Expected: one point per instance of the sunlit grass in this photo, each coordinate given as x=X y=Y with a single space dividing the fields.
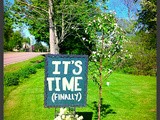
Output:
x=128 y=97
x=15 y=67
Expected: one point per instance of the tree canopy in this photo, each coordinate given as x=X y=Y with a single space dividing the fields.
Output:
x=147 y=22
x=147 y=16
x=11 y=39
x=65 y=18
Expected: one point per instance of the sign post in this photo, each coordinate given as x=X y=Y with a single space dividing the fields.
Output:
x=66 y=80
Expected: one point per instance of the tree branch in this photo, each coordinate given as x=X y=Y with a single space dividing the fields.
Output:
x=32 y=6
x=84 y=44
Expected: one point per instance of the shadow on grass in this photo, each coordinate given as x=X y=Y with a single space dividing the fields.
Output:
x=105 y=109
x=86 y=115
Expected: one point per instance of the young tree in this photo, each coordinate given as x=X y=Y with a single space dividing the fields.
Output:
x=108 y=53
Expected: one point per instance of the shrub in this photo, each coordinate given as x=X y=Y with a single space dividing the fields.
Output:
x=23 y=73
x=31 y=70
x=143 y=61
x=11 y=79
x=18 y=76
x=14 y=78
x=39 y=65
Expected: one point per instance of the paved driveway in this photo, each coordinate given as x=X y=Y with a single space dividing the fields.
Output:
x=14 y=57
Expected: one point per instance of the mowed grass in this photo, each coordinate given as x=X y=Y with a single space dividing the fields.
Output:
x=16 y=67
x=128 y=97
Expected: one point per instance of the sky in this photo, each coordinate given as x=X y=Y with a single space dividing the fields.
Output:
x=121 y=10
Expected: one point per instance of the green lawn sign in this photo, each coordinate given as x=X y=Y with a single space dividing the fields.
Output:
x=66 y=80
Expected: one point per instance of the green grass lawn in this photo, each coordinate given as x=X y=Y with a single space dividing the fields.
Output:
x=128 y=97
x=16 y=67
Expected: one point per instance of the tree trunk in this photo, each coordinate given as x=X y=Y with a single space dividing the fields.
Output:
x=52 y=38
x=100 y=85
x=56 y=40
x=100 y=91
x=51 y=41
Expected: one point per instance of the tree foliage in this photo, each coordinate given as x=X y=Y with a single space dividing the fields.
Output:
x=108 y=51
x=67 y=18
x=147 y=16
x=38 y=47
x=11 y=39
x=14 y=41
x=147 y=20
x=143 y=60
x=34 y=15
x=142 y=44
x=7 y=24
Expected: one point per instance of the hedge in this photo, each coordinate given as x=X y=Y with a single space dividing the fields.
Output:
x=14 y=78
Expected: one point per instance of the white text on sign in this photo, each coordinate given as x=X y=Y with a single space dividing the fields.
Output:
x=70 y=85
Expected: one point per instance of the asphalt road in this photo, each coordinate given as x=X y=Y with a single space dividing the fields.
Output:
x=14 y=57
